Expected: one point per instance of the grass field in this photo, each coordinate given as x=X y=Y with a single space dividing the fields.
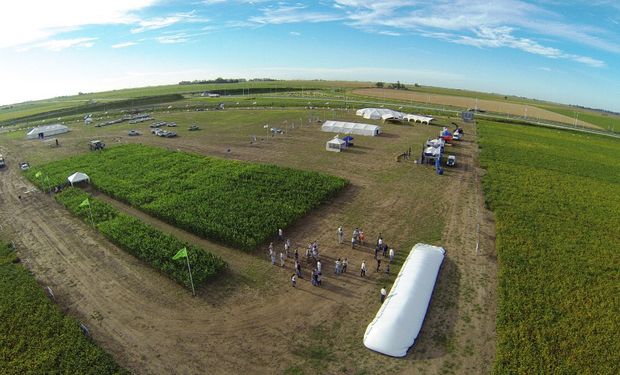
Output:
x=604 y=121
x=556 y=198
x=35 y=337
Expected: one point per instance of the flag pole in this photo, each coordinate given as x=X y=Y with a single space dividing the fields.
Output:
x=191 y=280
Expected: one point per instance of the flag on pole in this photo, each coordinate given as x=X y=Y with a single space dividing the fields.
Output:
x=38 y=174
x=180 y=254
x=85 y=203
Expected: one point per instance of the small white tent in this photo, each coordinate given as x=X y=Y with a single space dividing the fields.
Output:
x=336 y=144
x=351 y=128
x=78 y=177
x=400 y=318
x=420 y=118
x=46 y=131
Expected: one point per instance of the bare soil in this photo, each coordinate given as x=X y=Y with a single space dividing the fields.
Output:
x=495 y=106
x=251 y=320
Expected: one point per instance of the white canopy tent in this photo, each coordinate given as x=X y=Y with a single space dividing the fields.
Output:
x=336 y=144
x=46 y=131
x=351 y=128
x=78 y=177
x=400 y=318
x=379 y=114
x=419 y=118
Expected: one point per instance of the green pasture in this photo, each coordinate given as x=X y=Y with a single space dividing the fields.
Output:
x=556 y=199
x=607 y=122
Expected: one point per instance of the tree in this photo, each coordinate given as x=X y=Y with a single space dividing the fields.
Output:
x=380 y=84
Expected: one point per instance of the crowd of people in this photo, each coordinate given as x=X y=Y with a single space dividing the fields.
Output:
x=382 y=253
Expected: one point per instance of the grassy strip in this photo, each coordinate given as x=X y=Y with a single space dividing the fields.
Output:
x=35 y=337
x=238 y=203
x=605 y=121
x=556 y=198
x=143 y=241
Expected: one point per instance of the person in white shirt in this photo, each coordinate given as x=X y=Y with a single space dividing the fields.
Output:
x=363 y=269
x=318 y=266
x=281 y=259
x=391 y=255
x=383 y=294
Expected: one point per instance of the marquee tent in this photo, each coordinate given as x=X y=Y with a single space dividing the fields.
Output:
x=46 y=131
x=379 y=114
x=400 y=318
x=351 y=128
x=336 y=144
x=419 y=118
x=78 y=177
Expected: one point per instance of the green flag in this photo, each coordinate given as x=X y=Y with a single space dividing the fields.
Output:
x=38 y=174
x=180 y=254
x=84 y=203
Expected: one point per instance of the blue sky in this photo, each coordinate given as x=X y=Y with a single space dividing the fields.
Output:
x=565 y=51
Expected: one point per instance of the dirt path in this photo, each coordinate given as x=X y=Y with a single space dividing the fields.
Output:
x=251 y=320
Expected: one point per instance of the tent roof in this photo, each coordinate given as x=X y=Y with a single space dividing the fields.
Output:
x=348 y=125
x=420 y=118
x=47 y=128
x=336 y=140
x=378 y=113
x=78 y=177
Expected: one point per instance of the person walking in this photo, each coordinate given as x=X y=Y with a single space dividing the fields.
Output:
x=362 y=237
x=353 y=242
x=383 y=294
x=281 y=259
x=385 y=250
x=287 y=246
x=298 y=268
x=345 y=263
x=363 y=269
x=391 y=255
x=280 y=234
x=273 y=258
x=378 y=264
x=319 y=266
x=338 y=265
x=387 y=269
x=293 y=280
x=340 y=235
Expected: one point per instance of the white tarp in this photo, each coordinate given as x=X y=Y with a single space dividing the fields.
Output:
x=336 y=144
x=419 y=118
x=379 y=113
x=47 y=131
x=400 y=318
x=351 y=128
x=78 y=177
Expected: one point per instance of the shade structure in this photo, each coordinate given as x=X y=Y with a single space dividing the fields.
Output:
x=335 y=144
x=351 y=128
x=78 y=177
x=46 y=131
x=399 y=320
x=419 y=118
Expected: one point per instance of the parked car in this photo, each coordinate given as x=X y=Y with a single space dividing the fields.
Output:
x=451 y=161
x=96 y=145
x=24 y=166
x=170 y=134
x=172 y=124
x=194 y=127
x=132 y=133
x=276 y=130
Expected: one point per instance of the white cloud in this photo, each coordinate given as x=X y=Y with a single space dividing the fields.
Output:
x=292 y=14
x=173 y=39
x=123 y=45
x=161 y=22
x=56 y=45
x=30 y=21
x=294 y=33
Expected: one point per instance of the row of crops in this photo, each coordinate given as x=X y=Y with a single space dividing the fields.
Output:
x=142 y=240
x=35 y=337
x=556 y=199
x=237 y=203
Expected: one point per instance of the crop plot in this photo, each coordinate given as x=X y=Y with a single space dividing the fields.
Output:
x=237 y=203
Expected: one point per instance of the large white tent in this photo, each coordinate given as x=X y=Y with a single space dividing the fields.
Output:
x=379 y=114
x=351 y=128
x=78 y=177
x=419 y=118
x=46 y=131
x=400 y=318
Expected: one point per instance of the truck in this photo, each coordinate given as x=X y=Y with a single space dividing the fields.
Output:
x=96 y=145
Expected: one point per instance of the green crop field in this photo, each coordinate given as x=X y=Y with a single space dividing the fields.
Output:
x=35 y=337
x=238 y=203
x=556 y=199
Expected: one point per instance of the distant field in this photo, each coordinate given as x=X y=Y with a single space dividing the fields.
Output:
x=556 y=199
x=494 y=106
x=604 y=121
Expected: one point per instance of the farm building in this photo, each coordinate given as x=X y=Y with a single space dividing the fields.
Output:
x=399 y=320
x=351 y=128
x=46 y=131
x=380 y=114
x=336 y=145
x=419 y=118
